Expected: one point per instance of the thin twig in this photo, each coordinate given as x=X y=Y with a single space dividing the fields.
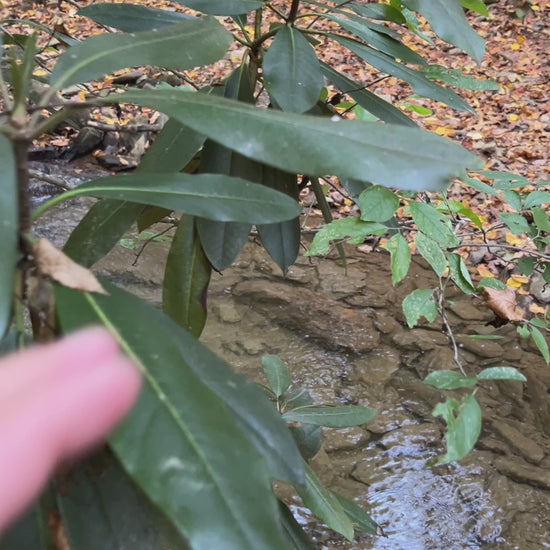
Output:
x=58 y=182
x=131 y=128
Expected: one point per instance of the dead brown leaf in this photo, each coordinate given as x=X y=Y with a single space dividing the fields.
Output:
x=503 y=303
x=58 y=266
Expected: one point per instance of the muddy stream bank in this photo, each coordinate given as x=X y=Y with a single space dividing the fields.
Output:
x=345 y=339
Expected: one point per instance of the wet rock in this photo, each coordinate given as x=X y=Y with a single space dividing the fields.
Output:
x=419 y=338
x=313 y=314
x=412 y=389
x=482 y=348
x=368 y=298
x=227 y=312
x=471 y=312
x=539 y=288
x=344 y=439
x=412 y=436
x=440 y=358
x=387 y=421
x=492 y=444
x=301 y=275
x=340 y=281
x=377 y=367
x=387 y=324
x=520 y=443
x=523 y=473
x=539 y=401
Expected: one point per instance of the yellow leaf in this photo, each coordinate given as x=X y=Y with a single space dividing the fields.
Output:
x=515 y=46
x=520 y=39
x=484 y=271
x=514 y=240
x=515 y=281
x=513 y=117
x=492 y=235
x=82 y=95
x=443 y=131
x=536 y=309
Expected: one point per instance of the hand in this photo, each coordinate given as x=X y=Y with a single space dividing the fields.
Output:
x=56 y=401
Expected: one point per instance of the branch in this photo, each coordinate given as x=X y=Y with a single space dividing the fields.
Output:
x=131 y=128
x=58 y=182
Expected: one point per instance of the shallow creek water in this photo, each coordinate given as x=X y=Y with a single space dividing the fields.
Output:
x=344 y=338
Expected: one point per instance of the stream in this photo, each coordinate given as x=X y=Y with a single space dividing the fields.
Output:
x=344 y=337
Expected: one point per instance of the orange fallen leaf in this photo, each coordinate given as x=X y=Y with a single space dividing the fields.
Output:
x=58 y=266
x=484 y=271
x=503 y=303
x=536 y=309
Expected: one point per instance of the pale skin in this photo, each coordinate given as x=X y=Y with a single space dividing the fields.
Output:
x=56 y=402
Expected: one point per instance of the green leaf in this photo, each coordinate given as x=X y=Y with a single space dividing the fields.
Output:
x=463 y=426
x=505 y=180
x=263 y=424
x=449 y=380
x=331 y=417
x=99 y=502
x=540 y=342
x=183 y=46
x=186 y=278
x=515 y=222
x=400 y=254
x=501 y=373
x=194 y=461
x=421 y=85
x=523 y=331
x=377 y=204
x=100 y=229
x=481 y=336
x=291 y=71
x=381 y=12
x=449 y=23
x=281 y=240
x=455 y=77
x=513 y=199
x=107 y=220
x=9 y=231
x=351 y=227
x=361 y=520
x=132 y=17
x=324 y=504
x=419 y=303
x=526 y=265
x=222 y=7
x=173 y=149
x=432 y=223
x=213 y=196
x=277 y=374
x=31 y=531
x=475 y=5
x=460 y=274
x=297 y=539
x=431 y=252
x=371 y=102
x=314 y=145
x=480 y=186
x=308 y=438
x=491 y=282
x=222 y=241
x=541 y=219
x=382 y=42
